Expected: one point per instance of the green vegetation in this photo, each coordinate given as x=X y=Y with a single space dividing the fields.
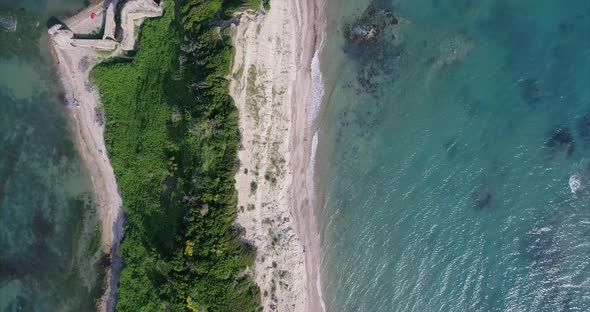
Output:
x=255 y=4
x=172 y=137
x=253 y=94
x=253 y=187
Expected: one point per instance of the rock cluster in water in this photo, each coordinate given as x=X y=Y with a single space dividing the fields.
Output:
x=531 y=92
x=561 y=141
x=8 y=23
x=372 y=41
x=482 y=197
x=370 y=28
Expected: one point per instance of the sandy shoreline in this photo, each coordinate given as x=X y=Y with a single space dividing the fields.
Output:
x=73 y=67
x=75 y=54
x=271 y=85
x=88 y=130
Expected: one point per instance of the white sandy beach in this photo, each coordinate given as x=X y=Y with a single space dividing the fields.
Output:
x=271 y=85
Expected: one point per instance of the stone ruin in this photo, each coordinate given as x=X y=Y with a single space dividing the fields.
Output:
x=132 y=14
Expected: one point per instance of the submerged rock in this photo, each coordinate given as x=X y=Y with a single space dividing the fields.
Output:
x=370 y=28
x=41 y=226
x=8 y=23
x=482 y=198
x=531 y=92
x=372 y=41
x=561 y=140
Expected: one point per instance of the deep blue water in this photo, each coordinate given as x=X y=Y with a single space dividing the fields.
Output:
x=49 y=232
x=446 y=150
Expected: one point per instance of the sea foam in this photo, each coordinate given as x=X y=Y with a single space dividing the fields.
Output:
x=314 y=106
x=575 y=183
x=311 y=165
x=317 y=88
x=319 y=287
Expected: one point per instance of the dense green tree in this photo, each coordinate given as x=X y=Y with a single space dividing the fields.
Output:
x=172 y=137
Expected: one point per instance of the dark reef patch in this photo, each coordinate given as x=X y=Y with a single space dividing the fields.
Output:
x=372 y=41
x=12 y=150
x=41 y=226
x=560 y=141
x=482 y=197
x=38 y=260
x=370 y=29
x=531 y=92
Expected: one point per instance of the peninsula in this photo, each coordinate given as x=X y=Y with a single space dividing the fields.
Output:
x=148 y=84
x=77 y=47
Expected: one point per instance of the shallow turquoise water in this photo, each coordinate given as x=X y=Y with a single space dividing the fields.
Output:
x=49 y=235
x=444 y=175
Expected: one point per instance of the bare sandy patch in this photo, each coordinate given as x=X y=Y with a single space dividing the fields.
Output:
x=271 y=83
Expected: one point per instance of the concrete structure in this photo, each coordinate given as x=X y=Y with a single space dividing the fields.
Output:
x=109 y=23
x=133 y=14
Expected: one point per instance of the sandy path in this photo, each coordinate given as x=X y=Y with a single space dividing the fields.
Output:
x=88 y=130
x=271 y=80
x=86 y=120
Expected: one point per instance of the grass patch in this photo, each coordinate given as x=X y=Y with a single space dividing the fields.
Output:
x=253 y=94
x=253 y=187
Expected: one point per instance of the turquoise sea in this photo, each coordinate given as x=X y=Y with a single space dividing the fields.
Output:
x=49 y=233
x=453 y=161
